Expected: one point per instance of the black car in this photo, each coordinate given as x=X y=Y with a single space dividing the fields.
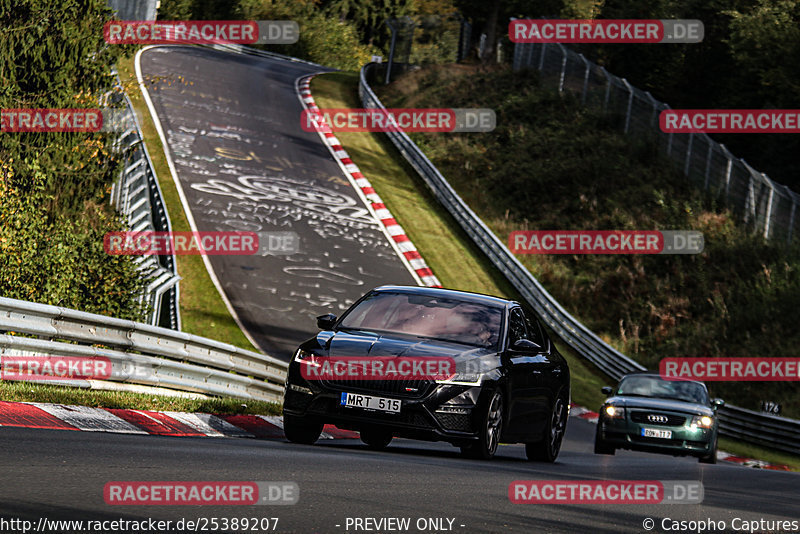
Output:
x=646 y=412
x=509 y=384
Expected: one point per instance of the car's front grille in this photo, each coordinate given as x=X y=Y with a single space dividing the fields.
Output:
x=655 y=418
x=656 y=441
x=327 y=405
x=398 y=388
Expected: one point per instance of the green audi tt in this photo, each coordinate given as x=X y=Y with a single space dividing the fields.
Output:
x=648 y=413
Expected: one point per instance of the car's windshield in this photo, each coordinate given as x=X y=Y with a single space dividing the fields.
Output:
x=653 y=386
x=429 y=317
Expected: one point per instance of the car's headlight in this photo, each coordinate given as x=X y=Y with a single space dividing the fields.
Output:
x=305 y=357
x=702 y=421
x=463 y=379
x=614 y=412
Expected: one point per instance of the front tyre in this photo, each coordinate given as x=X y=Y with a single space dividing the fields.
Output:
x=491 y=428
x=548 y=448
x=298 y=430
x=600 y=447
x=711 y=458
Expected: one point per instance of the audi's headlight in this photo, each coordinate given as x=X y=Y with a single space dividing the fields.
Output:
x=614 y=412
x=702 y=421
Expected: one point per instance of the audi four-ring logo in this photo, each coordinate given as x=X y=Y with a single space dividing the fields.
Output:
x=657 y=418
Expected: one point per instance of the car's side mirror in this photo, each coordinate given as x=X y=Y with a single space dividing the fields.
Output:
x=526 y=345
x=607 y=390
x=717 y=403
x=326 y=322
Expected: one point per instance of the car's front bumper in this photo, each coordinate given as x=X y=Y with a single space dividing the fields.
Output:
x=685 y=440
x=446 y=413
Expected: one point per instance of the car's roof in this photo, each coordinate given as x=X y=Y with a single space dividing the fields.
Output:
x=450 y=293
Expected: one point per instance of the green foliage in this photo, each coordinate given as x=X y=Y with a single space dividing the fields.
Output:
x=54 y=191
x=51 y=258
x=323 y=39
x=435 y=40
x=175 y=9
x=369 y=17
x=551 y=164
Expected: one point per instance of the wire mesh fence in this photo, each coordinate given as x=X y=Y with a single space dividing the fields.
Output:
x=768 y=207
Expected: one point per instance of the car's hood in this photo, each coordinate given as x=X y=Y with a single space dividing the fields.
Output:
x=661 y=404
x=362 y=344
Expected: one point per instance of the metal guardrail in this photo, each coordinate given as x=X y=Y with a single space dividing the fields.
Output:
x=137 y=196
x=761 y=429
x=139 y=353
x=241 y=49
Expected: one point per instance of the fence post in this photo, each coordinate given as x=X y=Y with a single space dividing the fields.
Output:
x=750 y=202
x=708 y=161
x=654 y=102
x=669 y=136
x=791 y=195
x=728 y=171
x=585 y=79
x=528 y=61
x=630 y=104
x=769 y=206
x=391 y=52
x=464 y=37
x=563 y=67
x=608 y=89
x=688 y=154
x=541 y=57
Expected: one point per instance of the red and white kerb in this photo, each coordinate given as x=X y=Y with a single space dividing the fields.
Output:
x=404 y=244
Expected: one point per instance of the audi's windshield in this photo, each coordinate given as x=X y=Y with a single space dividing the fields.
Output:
x=653 y=386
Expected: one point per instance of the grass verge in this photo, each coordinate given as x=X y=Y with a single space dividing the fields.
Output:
x=203 y=311
x=26 y=392
x=751 y=451
x=449 y=252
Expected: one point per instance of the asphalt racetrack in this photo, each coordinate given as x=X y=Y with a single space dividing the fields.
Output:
x=59 y=474
x=244 y=163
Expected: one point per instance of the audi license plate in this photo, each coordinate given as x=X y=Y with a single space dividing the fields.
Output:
x=369 y=402
x=656 y=433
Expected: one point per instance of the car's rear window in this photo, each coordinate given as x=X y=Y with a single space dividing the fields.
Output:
x=427 y=317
